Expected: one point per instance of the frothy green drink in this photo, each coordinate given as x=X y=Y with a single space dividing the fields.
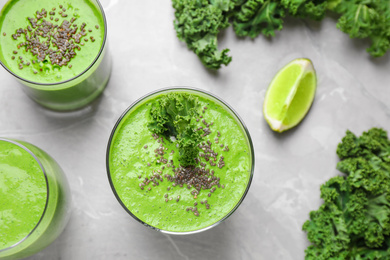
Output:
x=34 y=199
x=147 y=179
x=23 y=193
x=56 y=49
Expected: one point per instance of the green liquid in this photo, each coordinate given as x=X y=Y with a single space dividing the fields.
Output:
x=128 y=159
x=23 y=193
x=14 y=16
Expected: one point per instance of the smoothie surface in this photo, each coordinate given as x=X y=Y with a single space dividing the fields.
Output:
x=23 y=193
x=82 y=49
x=167 y=206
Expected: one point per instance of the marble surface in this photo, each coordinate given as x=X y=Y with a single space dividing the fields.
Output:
x=353 y=93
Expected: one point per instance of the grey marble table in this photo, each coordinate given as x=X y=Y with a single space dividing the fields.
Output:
x=353 y=93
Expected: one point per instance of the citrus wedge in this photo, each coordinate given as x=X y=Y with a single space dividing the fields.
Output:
x=290 y=95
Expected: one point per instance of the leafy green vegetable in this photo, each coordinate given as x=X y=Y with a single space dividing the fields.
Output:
x=354 y=220
x=258 y=16
x=198 y=22
x=313 y=9
x=173 y=115
x=366 y=19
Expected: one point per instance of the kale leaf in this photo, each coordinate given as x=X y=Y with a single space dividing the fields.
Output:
x=313 y=9
x=173 y=115
x=366 y=19
x=258 y=16
x=199 y=22
x=354 y=220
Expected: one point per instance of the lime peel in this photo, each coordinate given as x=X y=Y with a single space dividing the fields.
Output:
x=290 y=95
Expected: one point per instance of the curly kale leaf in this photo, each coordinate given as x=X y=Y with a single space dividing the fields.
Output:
x=198 y=24
x=258 y=16
x=366 y=19
x=173 y=116
x=354 y=220
x=372 y=143
x=327 y=229
x=313 y=9
x=188 y=149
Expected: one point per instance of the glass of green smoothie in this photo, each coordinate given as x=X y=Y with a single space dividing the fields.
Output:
x=34 y=199
x=180 y=160
x=56 y=49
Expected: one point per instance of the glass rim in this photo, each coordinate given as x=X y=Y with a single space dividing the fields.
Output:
x=238 y=118
x=77 y=76
x=16 y=142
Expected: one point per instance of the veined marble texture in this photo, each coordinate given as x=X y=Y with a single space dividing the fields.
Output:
x=353 y=93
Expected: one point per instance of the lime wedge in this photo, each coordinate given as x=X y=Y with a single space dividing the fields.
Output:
x=290 y=95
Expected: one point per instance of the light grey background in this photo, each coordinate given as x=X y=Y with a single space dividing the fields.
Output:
x=353 y=93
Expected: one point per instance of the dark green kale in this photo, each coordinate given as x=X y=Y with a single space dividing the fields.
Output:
x=173 y=116
x=312 y=9
x=354 y=220
x=365 y=19
x=258 y=16
x=199 y=22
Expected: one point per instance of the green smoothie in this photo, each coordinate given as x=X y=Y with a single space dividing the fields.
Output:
x=147 y=177
x=34 y=199
x=56 y=49
x=23 y=193
x=14 y=16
